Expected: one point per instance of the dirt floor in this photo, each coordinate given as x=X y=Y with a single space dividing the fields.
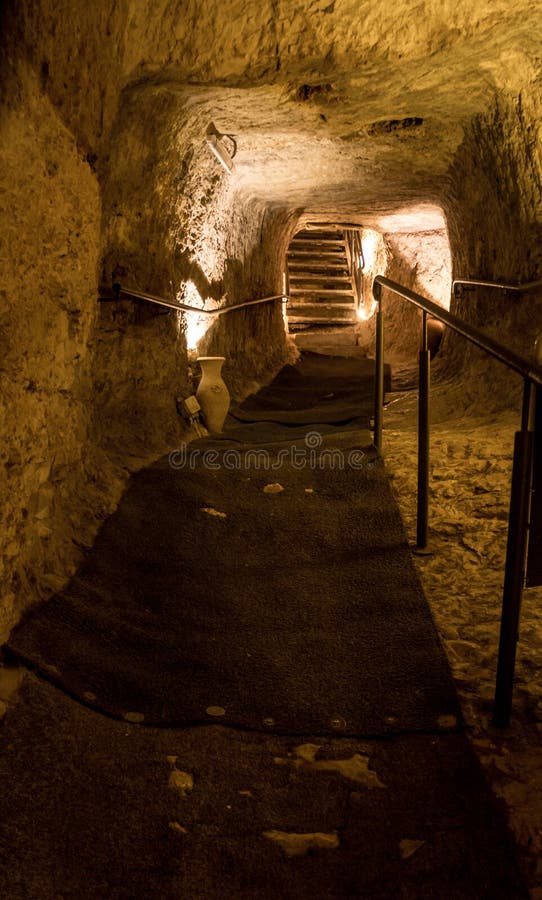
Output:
x=463 y=581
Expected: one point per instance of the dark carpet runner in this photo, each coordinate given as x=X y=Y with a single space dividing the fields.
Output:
x=211 y=595
x=207 y=599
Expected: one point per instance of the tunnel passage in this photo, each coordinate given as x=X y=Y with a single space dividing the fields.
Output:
x=108 y=175
x=329 y=273
x=404 y=121
x=321 y=278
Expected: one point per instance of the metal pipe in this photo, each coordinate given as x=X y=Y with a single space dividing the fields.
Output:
x=518 y=363
x=423 y=440
x=475 y=282
x=161 y=301
x=516 y=555
x=245 y=303
x=379 y=372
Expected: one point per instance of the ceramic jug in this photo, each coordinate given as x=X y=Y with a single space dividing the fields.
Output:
x=212 y=394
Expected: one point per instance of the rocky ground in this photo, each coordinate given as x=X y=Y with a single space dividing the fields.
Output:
x=463 y=580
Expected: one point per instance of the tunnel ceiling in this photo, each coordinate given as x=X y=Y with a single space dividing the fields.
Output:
x=340 y=108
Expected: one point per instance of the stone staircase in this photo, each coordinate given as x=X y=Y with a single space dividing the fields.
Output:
x=320 y=282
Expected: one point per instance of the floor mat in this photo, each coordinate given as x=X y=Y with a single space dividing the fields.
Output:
x=271 y=587
x=276 y=592
x=318 y=389
x=265 y=584
x=272 y=432
x=92 y=809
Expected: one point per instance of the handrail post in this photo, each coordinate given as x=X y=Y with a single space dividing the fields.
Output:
x=423 y=440
x=379 y=370
x=516 y=555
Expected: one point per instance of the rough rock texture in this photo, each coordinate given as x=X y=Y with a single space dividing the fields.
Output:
x=175 y=225
x=50 y=253
x=253 y=340
x=493 y=210
x=421 y=262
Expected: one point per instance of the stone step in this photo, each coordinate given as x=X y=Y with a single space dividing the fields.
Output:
x=310 y=257
x=320 y=277
x=332 y=240
x=322 y=289
x=318 y=264
x=331 y=244
x=328 y=227
x=311 y=278
x=316 y=317
x=338 y=338
x=305 y=309
x=320 y=304
x=314 y=277
x=335 y=310
x=316 y=237
x=317 y=246
x=320 y=285
x=323 y=292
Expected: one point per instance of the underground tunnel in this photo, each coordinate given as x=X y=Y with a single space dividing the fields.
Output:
x=206 y=156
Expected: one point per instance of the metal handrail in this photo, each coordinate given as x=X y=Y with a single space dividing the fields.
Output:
x=120 y=291
x=354 y=251
x=499 y=285
x=522 y=470
x=511 y=359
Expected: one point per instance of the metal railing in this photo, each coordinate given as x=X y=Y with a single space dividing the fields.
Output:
x=470 y=283
x=356 y=263
x=522 y=470
x=120 y=293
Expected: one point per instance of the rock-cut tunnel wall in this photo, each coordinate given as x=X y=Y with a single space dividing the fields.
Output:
x=94 y=191
x=493 y=207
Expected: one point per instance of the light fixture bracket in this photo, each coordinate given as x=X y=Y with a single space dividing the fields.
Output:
x=215 y=140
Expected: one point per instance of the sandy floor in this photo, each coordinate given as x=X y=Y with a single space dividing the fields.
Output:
x=463 y=580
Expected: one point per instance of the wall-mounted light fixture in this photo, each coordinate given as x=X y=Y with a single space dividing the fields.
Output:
x=218 y=144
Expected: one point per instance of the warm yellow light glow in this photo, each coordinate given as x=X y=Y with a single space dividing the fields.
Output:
x=367 y=310
x=196 y=324
x=412 y=219
x=371 y=241
x=285 y=314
